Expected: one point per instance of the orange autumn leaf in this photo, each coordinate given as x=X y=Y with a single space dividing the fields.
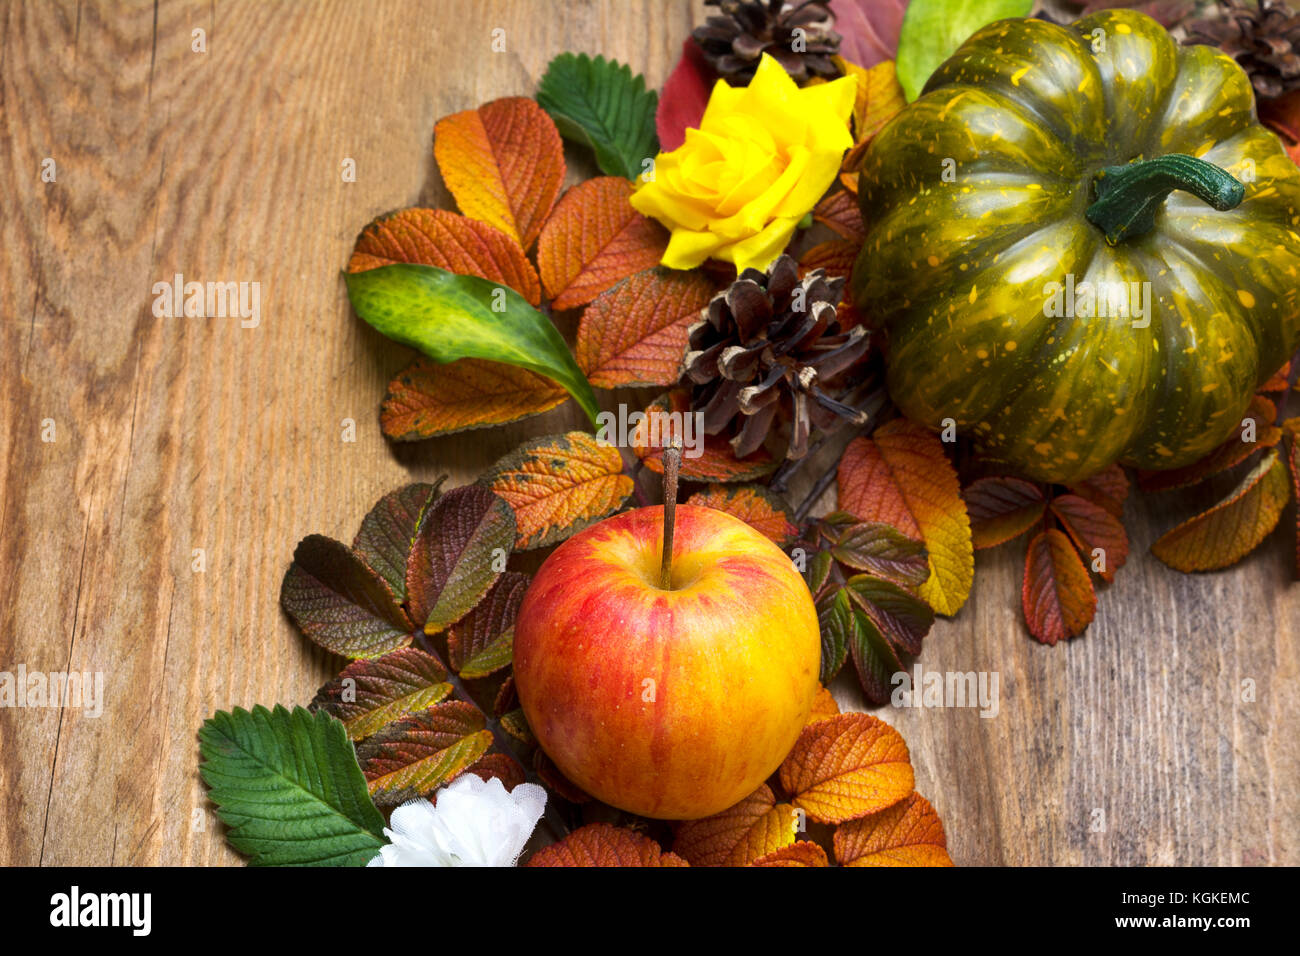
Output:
x=503 y=163
x=1257 y=431
x=1098 y=534
x=902 y=477
x=847 y=767
x=836 y=256
x=753 y=504
x=1057 y=594
x=907 y=834
x=824 y=706
x=739 y=835
x=558 y=485
x=427 y=399
x=1278 y=381
x=803 y=853
x=594 y=240
x=839 y=211
x=1108 y=488
x=603 y=844
x=1231 y=529
x=879 y=99
x=635 y=333
x=1002 y=508
x=666 y=419
x=435 y=237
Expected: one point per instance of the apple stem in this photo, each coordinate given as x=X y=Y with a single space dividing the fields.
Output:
x=672 y=463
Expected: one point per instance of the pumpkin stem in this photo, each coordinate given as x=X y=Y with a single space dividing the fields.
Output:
x=1128 y=196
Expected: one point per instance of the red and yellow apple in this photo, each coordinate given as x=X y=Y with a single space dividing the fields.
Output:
x=672 y=703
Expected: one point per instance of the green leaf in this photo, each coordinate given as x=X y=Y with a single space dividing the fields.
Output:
x=902 y=617
x=933 y=29
x=371 y=694
x=448 y=317
x=599 y=103
x=338 y=601
x=289 y=787
x=838 y=627
x=882 y=550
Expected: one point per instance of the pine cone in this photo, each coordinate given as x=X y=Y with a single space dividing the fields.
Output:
x=1263 y=39
x=770 y=347
x=734 y=42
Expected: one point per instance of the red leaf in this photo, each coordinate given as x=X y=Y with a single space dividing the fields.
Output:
x=603 y=844
x=1108 y=488
x=684 y=97
x=868 y=29
x=836 y=256
x=1001 y=509
x=839 y=211
x=1093 y=528
x=1057 y=595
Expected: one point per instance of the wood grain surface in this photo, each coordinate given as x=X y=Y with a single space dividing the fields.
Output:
x=179 y=434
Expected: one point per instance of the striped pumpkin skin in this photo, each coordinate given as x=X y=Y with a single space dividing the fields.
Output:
x=959 y=272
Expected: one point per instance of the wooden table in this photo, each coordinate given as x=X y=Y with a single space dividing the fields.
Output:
x=182 y=438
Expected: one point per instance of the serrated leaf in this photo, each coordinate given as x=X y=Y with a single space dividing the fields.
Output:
x=875 y=659
x=739 y=835
x=427 y=399
x=902 y=477
x=933 y=29
x=803 y=853
x=601 y=104
x=714 y=461
x=288 y=786
x=818 y=573
x=602 y=844
x=481 y=642
x=370 y=694
x=340 y=603
x=761 y=509
x=907 y=834
x=458 y=555
x=882 y=550
x=838 y=630
x=847 y=767
x=1233 y=528
x=824 y=706
x=839 y=212
x=1057 y=594
x=835 y=256
x=503 y=163
x=636 y=332
x=501 y=766
x=1093 y=529
x=448 y=317
x=388 y=532
x=516 y=725
x=1002 y=508
x=415 y=756
x=559 y=484
x=898 y=614
x=436 y=237
x=1108 y=488
x=594 y=240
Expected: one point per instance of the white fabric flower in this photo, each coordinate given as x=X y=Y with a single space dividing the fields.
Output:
x=475 y=823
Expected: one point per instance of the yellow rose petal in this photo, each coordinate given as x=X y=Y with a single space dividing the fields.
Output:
x=757 y=252
x=688 y=248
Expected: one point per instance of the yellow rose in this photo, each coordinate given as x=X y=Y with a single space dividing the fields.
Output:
x=762 y=157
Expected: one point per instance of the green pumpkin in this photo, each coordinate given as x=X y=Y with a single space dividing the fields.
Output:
x=1040 y=160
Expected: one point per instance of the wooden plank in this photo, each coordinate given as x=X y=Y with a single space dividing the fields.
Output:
x=186 y=434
